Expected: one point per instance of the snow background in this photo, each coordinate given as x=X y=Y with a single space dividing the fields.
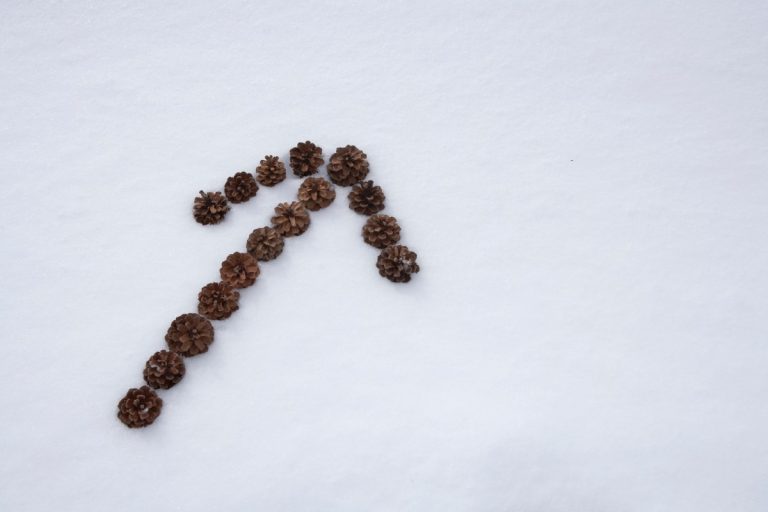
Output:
x=585 y=184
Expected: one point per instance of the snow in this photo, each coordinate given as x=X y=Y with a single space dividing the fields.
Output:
x=585 y=184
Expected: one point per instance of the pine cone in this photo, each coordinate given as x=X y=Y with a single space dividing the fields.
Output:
x=240 y=187
x=239 y=270
x=306 y=158
x=265 y=244
x=397 y=263
x=210 y=208
x=381 y=231
x=189 y=334
x=217 y=301
x=347 y=166
x=366 y=198
x=316 y=193
x=139 y=407
x=164 y=369
x=270 y=171
x=290 y=219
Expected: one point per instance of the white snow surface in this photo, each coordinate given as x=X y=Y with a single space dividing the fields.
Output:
x=585 y=183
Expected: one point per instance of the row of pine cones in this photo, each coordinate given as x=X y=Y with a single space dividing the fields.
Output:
x=347 y=166
x=396 y=262
x=191 y=334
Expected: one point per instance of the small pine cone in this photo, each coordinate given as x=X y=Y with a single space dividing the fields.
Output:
x=239 y=270
x=397 y=263
x=366 y=198
x=316 y=193
x=290 y=219
x=381 y=231
x=270 y=171
x=164 y=369
x=240 y=187
x=139 y=407
x=217 y=301
x=265 y=244
x=347 y=166
x=306 y=158
x=189 y=334
x=210 y=207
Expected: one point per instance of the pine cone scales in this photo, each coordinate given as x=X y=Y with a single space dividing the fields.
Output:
x=139 y=407
x=265 y=244
x=290 y=219
x=164 y=369
x=397 y=263
x=189 y=334
x=316 y=193
x=270 y=171
x=217 y=301
x=210 y=208
x=239 y=270
x=381 y=231
x=347 y=166
x=306 y=158
x=240 y=187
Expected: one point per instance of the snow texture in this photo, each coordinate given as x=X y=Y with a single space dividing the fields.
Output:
x=586 y=185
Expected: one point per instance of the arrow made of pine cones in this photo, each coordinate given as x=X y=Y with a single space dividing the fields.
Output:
x=191 y=334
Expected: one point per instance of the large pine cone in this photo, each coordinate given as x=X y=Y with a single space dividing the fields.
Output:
x=240 y=269
x=265 y=244
x=347 y=166
x=189 y=334
x=270 y=171
x=366 y=198
x=306 y=158
x=164 y=369
x=290 y=219
x=139 y=407
x=217 y=301
x=316 y=193
x=240 y=187
x=210 y=207
x=397 y=263
x=381 y=231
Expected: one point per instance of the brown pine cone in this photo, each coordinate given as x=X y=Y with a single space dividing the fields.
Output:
x=265 y=244
x=306 y=158
x=139 y=407
x=210 y=208
x=189 y=334
x=381 y=231
x=347 y=166
x=290 y=219
x=164 y=369
x=316 y=193
x=270 y=171
x=240 y=187
x=366 y=198
x=217 y=301
x=397 y=263
x=240 y=269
